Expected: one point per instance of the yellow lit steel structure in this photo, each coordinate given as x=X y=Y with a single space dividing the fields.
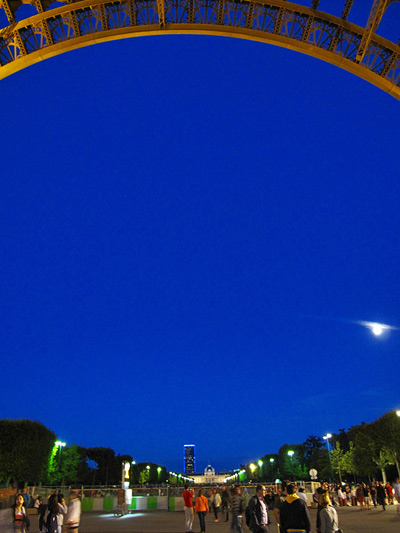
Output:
x=305 y=29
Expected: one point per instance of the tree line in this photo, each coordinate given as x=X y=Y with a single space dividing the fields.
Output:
x=364 y=452
x=29 y=455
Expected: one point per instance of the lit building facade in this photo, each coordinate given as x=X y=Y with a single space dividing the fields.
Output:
x=209 y=477
x=189 y=459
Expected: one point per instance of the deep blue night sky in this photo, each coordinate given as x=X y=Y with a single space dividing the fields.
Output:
x=188 y=227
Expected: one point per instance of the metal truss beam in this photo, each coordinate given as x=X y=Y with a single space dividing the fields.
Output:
x=279 y=22
x=375 y=16
x=161 y=13
x=8 y=12
x=346 y=9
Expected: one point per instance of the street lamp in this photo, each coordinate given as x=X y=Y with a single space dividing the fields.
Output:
x=290 y=454
x=260 y=463
x=271 y=462
x=60 y=445
x=327 y=437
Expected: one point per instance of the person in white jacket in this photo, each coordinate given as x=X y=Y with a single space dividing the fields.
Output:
x=73 y=517
x=62 y=511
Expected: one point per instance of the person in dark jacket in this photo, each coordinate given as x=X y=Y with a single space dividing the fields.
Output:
x=294 y=515
x=259 y=520
x=225 y=502
x=381 y=494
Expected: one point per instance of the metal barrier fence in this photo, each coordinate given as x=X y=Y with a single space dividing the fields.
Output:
x=149 y=497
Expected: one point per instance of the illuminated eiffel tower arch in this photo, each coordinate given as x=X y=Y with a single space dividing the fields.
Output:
x=332 y=38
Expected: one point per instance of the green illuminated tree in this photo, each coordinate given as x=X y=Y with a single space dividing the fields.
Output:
x=144 y=476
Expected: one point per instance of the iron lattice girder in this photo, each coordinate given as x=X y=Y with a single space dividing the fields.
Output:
x=282 y=23
x=375 y=16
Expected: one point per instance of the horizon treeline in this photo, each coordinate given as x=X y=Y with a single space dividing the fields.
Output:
x=29 y=454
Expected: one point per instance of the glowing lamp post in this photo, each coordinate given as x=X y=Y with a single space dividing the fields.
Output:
x=290 y=454
x=159 y=472
x=327 y=437
x=60 y=445
x=260 y=463
x=272 y=461
x=252 y=467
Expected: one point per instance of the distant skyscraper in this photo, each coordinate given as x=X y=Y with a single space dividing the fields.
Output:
x=189 y=458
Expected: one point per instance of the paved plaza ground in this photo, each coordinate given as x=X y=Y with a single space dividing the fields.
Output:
x=352 y=520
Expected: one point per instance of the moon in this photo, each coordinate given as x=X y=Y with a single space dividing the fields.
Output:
x=376 y=328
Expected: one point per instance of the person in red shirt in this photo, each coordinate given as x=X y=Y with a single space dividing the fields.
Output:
x=188 y=502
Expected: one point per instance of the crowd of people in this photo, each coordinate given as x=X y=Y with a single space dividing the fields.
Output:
x=367 y=495
x=287 y=503
x=55 y=516
x=221 y=503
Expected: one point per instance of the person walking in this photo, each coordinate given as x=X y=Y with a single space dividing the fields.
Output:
x=280 y=498
x=396 y=491
x=372 y=491
x=237 y=510
x=20 y=519
x=360 y=496
x=381 y=494
x=216 y=503
x=259 y=520
x=365 y=489
x=201 y=509
x=73 y=518
x=294 y=515
x=62 y=511
x=225 y=501
x=188 y=506
x=328 y=515
x=52 y=515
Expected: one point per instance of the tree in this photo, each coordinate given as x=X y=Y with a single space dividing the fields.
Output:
x=313 y=452
x=366 y=450
x=387 y=431
x=292 y=466
x=104 y=473
x=270 y=466
x=25 y=449
x=71 y=460
x=348 y=460
x=144 y=476
x=337 y=458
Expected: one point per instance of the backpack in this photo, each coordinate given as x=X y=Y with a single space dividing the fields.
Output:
x=249 y=511
x=52 y=523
